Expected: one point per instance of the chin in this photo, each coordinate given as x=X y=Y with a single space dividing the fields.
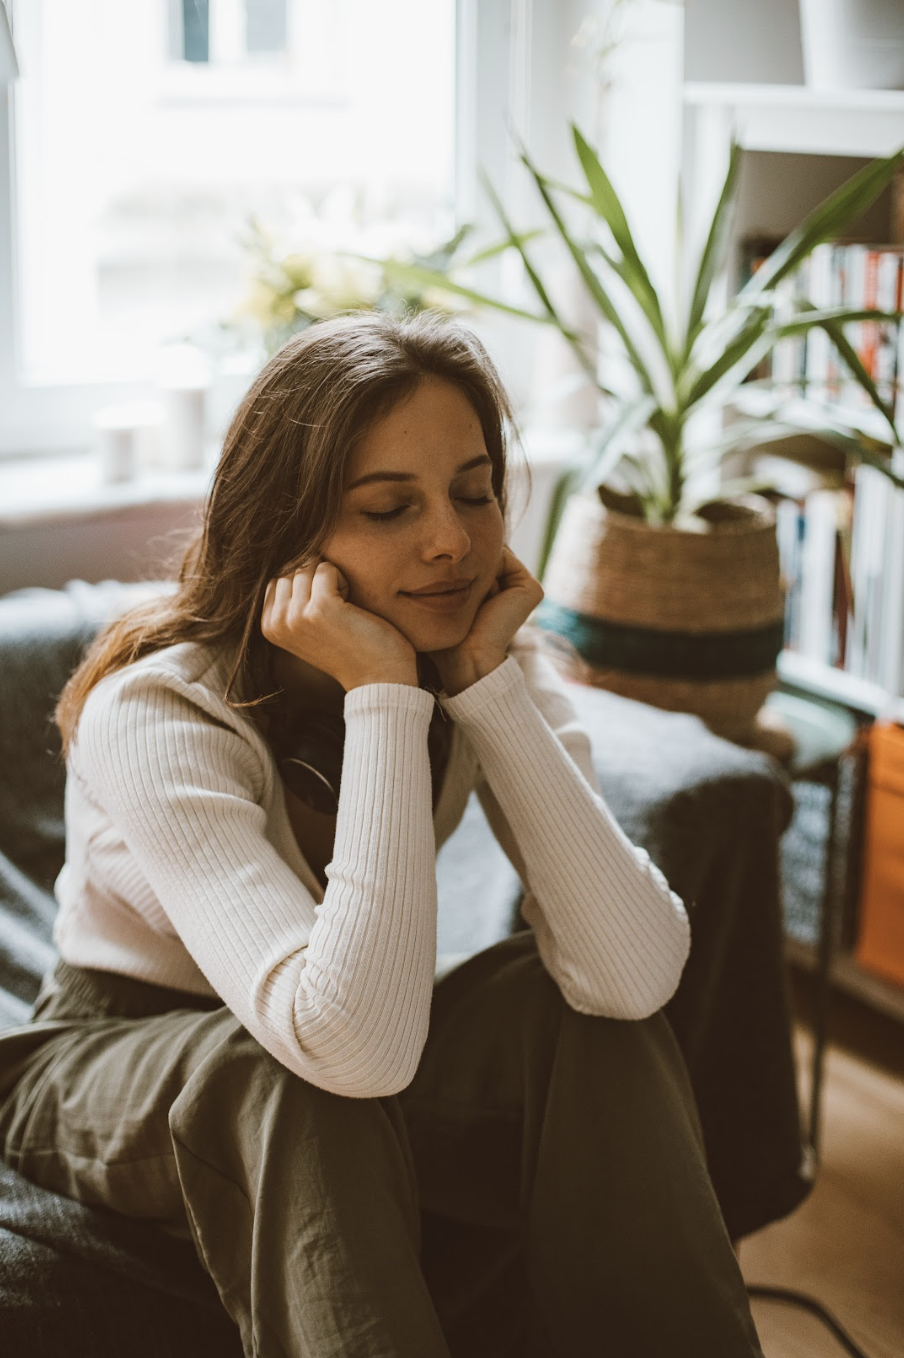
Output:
x=436 y=634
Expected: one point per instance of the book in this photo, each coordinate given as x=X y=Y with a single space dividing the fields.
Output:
x=889 y=276
x=818 y=347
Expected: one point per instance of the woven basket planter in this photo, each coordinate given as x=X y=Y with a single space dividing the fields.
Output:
x=686 y=620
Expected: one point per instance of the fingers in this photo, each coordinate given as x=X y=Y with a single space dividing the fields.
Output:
x=326 y=582
x=285 y=599
x=510 y=563
x=515 y=578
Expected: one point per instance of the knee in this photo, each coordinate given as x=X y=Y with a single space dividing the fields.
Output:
x=240 y=1085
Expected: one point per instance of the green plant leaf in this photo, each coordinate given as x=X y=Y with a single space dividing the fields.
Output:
x=830 y=421
x=569 y=191
x=744 y=345
x=623 y=271
x=713 y=257
x=738 y=437
x=492 y=251
x=565 y=485
x=442 y=256
x=641 y=479
x=422 y=277
x=728 y=490
x=591 y=281
x=843 y=315
x=881 y=464
x=829 y=219
x=610 y=447
x=584 y=359
x=849 y=357
x=608 y=206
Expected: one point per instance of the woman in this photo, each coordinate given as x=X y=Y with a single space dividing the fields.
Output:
x=243 y=1040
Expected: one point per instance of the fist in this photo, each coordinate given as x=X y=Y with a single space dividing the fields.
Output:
x=508 y=604
x=307 y=614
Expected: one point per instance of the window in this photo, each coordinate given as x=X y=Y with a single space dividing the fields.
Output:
x=242 y=30
x=148 y=134
x=405 y=99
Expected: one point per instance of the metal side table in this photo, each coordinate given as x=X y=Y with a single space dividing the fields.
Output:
x=823 y=734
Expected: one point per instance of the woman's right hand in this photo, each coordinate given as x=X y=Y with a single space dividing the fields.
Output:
x=307 y=613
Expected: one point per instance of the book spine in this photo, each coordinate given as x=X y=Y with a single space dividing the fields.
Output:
x=868 y=349
x=843 y=600
x=874 y=569
x=854 y=294
x=899 y=348
x=888 y=298
x=891 y=648
x=837 y=288
x=861 y=529
x=789 y=531
x=817 y=589
x=785 y=355
x=818 y=344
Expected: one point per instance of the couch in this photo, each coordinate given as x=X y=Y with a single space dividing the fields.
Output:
x=79 y=1281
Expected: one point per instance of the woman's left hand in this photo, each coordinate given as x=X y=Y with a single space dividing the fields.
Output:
x=508 y=605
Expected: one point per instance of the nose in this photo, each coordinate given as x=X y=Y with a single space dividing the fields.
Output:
x=444 y=534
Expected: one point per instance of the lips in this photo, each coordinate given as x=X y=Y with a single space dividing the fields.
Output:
x=433 y=591
x=442 y=601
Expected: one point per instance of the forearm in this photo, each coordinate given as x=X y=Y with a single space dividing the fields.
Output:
x=609 y=929
x=363 y=996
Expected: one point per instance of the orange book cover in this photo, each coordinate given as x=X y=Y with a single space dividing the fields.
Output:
x=880 y=940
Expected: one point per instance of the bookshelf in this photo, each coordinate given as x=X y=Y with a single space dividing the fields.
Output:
x=794 y=118
x=798 y=145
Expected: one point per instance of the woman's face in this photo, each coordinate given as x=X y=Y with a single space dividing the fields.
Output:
x=418 y=510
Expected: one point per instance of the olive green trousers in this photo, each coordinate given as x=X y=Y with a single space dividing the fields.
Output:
x=538 y=1191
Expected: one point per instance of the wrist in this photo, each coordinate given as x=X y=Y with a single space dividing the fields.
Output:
x=467 y=670
x=406 y=675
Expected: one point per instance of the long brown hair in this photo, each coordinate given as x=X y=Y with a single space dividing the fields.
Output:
x=276 y=494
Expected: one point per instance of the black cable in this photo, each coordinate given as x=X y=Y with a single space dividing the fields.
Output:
x=809 y=1304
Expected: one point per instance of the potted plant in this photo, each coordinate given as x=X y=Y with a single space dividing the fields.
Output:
x=667 y=588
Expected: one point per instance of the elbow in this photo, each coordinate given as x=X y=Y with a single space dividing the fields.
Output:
x=629 y=1003
x=388 y=1087
x=357 y=1085
x=627 y=1008
x=636 y=1008
x=364 y=1073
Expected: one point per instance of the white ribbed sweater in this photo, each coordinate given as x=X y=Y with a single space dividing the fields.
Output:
x=182 y=867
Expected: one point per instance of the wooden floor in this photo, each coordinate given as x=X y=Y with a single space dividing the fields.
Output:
x=845 y=1245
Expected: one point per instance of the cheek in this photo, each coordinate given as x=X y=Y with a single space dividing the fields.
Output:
x=491 y=538
x=369 y=562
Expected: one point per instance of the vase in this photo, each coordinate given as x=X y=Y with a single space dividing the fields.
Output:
x=853 y=44
x=690 y=619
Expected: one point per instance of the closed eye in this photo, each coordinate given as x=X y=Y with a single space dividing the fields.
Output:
x=394 y=513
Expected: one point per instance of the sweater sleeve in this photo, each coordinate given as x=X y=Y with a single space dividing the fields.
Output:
x=338 y=992
x=608 y=928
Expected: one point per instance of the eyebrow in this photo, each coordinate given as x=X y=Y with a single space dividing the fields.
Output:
x=483 y=459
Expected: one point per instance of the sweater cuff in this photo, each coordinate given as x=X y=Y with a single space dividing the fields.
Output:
x=478 y=700
x=402 y=698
